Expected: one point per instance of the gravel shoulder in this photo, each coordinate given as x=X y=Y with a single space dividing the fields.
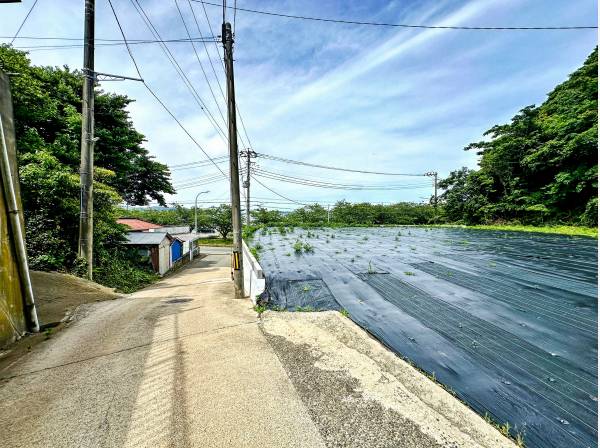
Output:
x=359 y=394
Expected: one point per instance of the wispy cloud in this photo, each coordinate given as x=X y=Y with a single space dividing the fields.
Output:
x=359 y=97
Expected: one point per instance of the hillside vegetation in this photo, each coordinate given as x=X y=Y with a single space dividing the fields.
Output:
x=47 y=114
x=540 y=168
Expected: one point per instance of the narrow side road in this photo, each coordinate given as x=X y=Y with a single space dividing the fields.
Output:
x=181 y=364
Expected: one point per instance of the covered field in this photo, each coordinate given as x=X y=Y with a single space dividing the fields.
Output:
x=505 y=320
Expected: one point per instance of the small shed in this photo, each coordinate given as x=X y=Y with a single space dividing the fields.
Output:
x=176 y=250
x=156 y=247
x=190 y=243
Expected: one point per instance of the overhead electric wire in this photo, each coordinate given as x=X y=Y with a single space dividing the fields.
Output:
x=234 y=15
x=106 y=44
x=156 y=96
x=140 y=10
x=328 y=167
x=406 y=25
x=200 y=64
x=194 y=165
x=222 y=64
x=103 y=39
x=338 y=186
x=274 y=192
x=23 y=22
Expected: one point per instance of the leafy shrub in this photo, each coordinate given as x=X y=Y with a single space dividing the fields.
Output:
x=298 y=247
x=118 y=270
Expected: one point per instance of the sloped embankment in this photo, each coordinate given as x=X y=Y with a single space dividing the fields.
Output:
x=59 y=294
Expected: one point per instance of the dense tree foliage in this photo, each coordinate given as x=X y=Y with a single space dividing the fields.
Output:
x=209 y=219
x=541 y=167
x=341 y=214
x=47 y=109
x=47 y=113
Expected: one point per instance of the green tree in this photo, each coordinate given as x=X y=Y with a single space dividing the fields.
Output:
x=47 y=111
x=541 y=166
x=263 y=216
x=219 y=218
x=47 y=102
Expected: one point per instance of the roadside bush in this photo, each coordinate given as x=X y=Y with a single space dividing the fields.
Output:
x=118 y=269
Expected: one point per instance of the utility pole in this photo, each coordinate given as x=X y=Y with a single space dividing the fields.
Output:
x=249 y=155
x=196 y=210
x=435 y=187
x=86 y=223
x=434 y=174
x=234 y=172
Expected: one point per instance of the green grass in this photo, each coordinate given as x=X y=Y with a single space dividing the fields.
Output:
x=344 y=313
x=260 y=309
x=215 y=241
x=557 y=230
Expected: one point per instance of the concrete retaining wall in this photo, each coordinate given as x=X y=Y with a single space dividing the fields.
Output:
x=254 y=280
x=12 y=317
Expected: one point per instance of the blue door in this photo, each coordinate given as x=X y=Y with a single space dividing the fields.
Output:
x=176 y=250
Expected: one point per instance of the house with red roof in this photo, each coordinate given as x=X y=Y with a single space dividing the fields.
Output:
x=137 y=225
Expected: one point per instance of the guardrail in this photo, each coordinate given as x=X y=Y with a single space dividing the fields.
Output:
x=254 y=279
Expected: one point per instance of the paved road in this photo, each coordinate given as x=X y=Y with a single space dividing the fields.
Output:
x=178 y=364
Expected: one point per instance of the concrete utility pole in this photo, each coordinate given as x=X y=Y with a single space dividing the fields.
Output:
x=234 y=172
x=86 y=216
x=249 y=155
x=435 y=197
x=434 y=174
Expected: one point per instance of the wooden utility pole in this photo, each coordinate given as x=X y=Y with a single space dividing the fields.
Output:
x=86 y=216
x=234 y=172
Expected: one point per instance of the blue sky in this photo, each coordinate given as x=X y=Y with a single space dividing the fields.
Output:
x=370 y=98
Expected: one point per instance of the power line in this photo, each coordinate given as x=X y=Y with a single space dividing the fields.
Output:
x=199 y=164
x=328 y=185
x=328 y=167
x=23 y=22
x=129 y=41
x=404 y=25
x=274 y=192
x=140 y=10
x=234 y=14
x=156 y=96
x=222 y=64
x=200 y=63
x=106 y=44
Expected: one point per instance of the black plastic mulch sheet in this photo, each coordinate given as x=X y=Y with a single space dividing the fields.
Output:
x=508 y=320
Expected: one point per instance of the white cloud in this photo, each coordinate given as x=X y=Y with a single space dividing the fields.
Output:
x=360 y=97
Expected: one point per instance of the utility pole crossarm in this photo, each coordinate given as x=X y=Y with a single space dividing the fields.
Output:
x=99 y=76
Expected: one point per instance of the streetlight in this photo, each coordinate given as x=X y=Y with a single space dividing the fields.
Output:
x=196 y=211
